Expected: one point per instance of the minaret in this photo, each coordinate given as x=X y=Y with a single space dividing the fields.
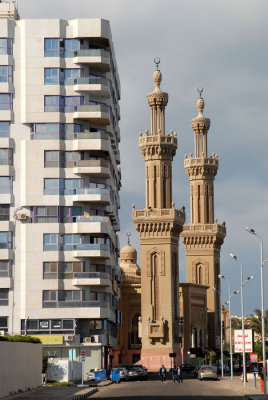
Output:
x=159 y=226
x=203 y=237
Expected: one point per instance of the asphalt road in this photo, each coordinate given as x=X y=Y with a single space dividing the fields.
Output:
x=190 y=389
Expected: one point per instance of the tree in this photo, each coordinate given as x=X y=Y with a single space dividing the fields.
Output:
x=254 y=321
x=44 y=363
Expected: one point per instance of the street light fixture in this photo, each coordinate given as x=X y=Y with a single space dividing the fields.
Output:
x=242 y=313
x=215 y=290
x=230 y=321
x=252 y=231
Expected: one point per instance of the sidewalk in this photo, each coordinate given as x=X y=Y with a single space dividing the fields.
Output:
x=58 y=392
x=248 y=390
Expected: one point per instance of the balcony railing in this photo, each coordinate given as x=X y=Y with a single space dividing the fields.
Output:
x=72 y=304
x=73 y=247
x=91 y=275
x=92 y=53
x=91 y=81
x=94 y=218
x=72 y=192
x=91 y=108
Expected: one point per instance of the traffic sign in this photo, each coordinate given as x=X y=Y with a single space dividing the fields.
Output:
x=83 y=359
x=254 y=357
x=83 y=353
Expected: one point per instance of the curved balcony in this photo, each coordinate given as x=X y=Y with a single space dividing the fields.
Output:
x=96 y=85
x=97 y=58
x=93 y=167
x=101 y=196
x=91 y=279
x=98 y=113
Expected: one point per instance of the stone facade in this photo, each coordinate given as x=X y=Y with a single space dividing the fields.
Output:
x=159 y=226
x=203 y=237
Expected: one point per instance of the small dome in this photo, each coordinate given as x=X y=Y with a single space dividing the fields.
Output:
x=128 y=254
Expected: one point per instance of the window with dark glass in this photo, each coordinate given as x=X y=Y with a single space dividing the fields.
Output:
x=50 y=270
x=4 y=129
x=4 y=268
x=6 y=156
x=5 y=46
x=52 y=158
x=71 y=74
x=5 y=101
x=52 y=47
x=71 y=102
x=3 y=323
x=6 y=73
x=6 y=240
x=52 y=103
x=4 y=297
x=52 y=76
x=4 y=212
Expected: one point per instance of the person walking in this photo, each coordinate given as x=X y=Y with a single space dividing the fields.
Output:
x=174 y=374
x=163 y=374
x=179 y=374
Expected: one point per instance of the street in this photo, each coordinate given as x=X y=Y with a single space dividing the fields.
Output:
x=190 y=388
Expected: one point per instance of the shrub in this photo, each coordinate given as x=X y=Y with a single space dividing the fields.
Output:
x=19 y=338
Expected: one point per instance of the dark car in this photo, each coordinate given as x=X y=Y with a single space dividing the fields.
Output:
x=137 y=372
x=188 y=370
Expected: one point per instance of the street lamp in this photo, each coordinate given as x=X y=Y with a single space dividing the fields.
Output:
x=215 y=290
x=230 y=320
x=242 y=312
x=252 y=231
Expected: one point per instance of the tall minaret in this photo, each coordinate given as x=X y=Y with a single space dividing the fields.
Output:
x=159 y=226
x=203 y=237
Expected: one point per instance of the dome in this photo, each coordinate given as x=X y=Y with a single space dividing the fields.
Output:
x=128 y=254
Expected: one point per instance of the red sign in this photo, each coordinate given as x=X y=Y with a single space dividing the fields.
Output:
x=83 y=353
x=254 y=357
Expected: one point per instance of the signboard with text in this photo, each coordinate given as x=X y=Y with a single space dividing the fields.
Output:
x=253 y=358
x=238 y=341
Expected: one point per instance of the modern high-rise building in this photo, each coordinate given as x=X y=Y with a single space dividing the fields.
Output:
x=59 y=183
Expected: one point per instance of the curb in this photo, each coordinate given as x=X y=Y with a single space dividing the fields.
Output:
x=84 y=395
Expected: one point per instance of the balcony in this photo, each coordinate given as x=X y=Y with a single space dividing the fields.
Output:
x=92 y=250
x=97 y=58
x=73 y=304
x=98 y=113
x=91 y=279
x=101 y=196
x=98 y=86
x=93 y=167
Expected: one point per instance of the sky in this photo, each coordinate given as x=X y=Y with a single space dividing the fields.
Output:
x=221 y=46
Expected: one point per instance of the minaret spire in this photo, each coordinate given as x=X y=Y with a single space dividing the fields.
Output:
x=203 y=237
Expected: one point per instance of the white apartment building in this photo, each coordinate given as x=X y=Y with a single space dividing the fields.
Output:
x=59 y=184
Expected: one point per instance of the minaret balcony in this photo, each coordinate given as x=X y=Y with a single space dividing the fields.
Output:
x=198 y=233
x=163 y=214
x=195 y=162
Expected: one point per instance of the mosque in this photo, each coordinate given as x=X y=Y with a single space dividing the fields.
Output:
x=163 y=318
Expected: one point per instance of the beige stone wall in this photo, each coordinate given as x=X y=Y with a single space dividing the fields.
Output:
x=15 y=375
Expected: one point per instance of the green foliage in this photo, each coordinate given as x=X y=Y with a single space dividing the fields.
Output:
x=44 y=363
x=19 y=338
x=52 y=383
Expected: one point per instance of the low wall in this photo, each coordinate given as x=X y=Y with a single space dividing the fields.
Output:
x=20 y=367
x=64 y=371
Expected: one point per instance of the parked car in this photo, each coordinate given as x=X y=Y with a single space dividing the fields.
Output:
x=91 y=375
x=187 y=370
x=127 y=366
x=138 y=372
x=123 y=373
x=207 y=372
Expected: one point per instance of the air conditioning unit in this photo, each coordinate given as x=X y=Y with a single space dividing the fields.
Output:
x=22 y=217
x=87 y=340
x=68 y=338
x=91 y=339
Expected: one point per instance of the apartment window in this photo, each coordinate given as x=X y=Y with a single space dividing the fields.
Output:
x=70 y=74
x=52 y=76
x=5 y=46
x=3 y=323
x=52 y=103
x=71 y=102
x=3 y=297
x=49 y=295
x=62 y=186
x=52 y=158
x=45 y=131
x=71 y=240
x=6 y=157
x=6 y=240
x=72 y=184
x=70 y=295
x=46 y=214
x=52 y=47
x=70 y=46
x=4 y=129
x=50 y=270
x=5 y=101
x=69 y=130
x=6 y=73
x=50 y=242
x=5 y=184
x=4 y=212
x=4 y=268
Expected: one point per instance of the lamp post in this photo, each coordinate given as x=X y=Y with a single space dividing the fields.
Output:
x=242 y=314
x=252 y=231
x=215 y=290
x=230 y=321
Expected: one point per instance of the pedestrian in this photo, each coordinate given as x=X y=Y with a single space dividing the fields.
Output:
x=44 y=380
x=179 y=374
x=163 y=374
x=174 y=374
